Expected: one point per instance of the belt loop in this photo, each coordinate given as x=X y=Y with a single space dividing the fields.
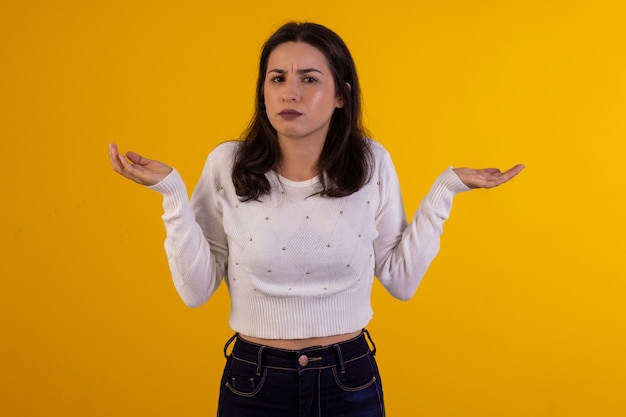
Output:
x=371 y=341
x=226 y=355
x=259 y=360
x=342 y=367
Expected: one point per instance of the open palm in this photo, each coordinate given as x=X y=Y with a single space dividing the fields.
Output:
x=137 y=168
x=486 y=178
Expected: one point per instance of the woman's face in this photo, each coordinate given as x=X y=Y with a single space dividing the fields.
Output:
x=299 y=92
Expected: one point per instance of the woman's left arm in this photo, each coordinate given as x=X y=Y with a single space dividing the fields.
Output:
x=405 y=251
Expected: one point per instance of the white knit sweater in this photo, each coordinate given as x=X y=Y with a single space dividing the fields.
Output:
x=296 y=265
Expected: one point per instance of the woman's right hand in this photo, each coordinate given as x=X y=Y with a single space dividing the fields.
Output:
x=137 y=168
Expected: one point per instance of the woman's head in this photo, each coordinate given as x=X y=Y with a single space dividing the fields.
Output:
x=339 y=60
x=344 y=163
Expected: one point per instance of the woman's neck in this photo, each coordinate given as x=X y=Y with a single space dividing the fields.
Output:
x=299 y=159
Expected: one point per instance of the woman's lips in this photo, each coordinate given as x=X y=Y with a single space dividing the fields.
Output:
x=289 y=114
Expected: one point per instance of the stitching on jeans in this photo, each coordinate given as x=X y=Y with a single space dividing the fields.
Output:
x=319 y=394
x=243 y=360
x=259 y=356
x=340 y=358
x=378 y=388
x=353 y=389
x=248 y=394
x=358 y=357
x=280 y=368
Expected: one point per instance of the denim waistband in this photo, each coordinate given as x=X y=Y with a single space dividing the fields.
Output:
x=315 y=357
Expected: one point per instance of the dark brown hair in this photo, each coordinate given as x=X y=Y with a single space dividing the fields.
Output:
x=346 y=157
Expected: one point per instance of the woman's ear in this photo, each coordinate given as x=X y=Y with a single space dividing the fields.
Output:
x=340 y=100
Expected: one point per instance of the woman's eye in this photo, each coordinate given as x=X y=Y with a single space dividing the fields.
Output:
x=309 y=80
x=277 y=79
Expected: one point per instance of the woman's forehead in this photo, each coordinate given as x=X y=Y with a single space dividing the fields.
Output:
x=296 y=56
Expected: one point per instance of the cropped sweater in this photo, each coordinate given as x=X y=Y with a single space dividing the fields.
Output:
x=296 y=264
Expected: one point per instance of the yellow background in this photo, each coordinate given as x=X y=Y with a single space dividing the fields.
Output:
x=522 y=314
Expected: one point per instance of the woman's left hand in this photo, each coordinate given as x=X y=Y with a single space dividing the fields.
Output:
x=486 y=178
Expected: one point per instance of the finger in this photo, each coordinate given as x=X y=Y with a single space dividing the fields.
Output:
x=135 y=158
x=126 y=165
x=517 y=168
x=112 y=151
x=114 y=157
x=128 y=169
x=512 y=172
x=490 y=171
x=508 y=175
x=121 y=165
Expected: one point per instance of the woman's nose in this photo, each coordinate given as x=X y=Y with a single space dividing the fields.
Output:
x=291 y=91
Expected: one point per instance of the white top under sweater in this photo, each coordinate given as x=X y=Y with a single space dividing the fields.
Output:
x=296 y=265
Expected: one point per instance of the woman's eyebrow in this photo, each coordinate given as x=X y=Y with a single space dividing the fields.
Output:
x=301 y=71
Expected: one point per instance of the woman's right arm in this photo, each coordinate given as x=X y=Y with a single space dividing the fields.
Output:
x=195 y=270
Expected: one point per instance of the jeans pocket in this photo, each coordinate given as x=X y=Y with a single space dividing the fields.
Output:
x=358 y=374
x=242 y=378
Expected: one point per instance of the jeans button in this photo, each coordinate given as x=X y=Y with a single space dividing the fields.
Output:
x=303 y=360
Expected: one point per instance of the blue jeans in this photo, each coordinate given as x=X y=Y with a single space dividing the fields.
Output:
x=339 y=380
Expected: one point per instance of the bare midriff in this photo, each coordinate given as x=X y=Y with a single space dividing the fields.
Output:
x=299 y=344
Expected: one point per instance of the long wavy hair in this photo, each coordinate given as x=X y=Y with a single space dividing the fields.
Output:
x=345 y=161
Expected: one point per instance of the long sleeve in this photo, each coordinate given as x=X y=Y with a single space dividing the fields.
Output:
x=404 y=251
x=196 y=270
x=298 y=264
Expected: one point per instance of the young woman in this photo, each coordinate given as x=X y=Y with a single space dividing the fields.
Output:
x=297 y=219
